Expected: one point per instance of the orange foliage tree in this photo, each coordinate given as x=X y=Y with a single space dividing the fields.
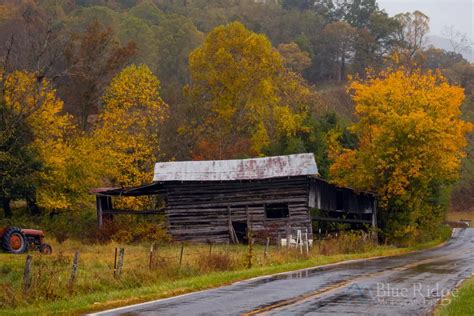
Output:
x=411 y=140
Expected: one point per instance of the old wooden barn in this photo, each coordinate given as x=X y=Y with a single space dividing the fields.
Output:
x=221 y=200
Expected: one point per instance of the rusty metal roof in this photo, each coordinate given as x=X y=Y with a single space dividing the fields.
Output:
x=241 y=169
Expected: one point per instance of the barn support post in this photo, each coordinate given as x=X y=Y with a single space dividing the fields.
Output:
x=100 y=215
x=231 y=229
x=288 y=234
x=374 y=220
x=247 y=216
x=109 y=202
x=106 y=205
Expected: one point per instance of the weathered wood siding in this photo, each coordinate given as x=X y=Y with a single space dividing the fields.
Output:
x=327 y=197
x=199 y=211
x=206 y=210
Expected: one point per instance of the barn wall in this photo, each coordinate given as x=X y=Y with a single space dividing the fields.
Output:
x=327 y=197
x=200 y=211
x=205 y=210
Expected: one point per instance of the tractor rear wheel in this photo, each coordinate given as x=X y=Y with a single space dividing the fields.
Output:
x=45 y=249
x=14 y=241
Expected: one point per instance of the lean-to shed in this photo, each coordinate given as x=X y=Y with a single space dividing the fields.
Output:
x=221 y=200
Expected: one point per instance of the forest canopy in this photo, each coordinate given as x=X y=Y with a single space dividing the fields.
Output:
x=94 y=92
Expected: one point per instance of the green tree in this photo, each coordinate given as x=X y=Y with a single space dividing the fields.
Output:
x=148 y=12
x=334 y=51
x=297 y=4
x=374 y=42
x=359 y=12
x=312 y=139
x=134 y=30
x=177 y=38
x=18 y=161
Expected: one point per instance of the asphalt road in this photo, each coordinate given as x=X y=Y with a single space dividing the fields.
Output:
x=411 y=284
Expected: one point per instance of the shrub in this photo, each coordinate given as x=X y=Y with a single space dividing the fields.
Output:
x=348 y=242
x=215 y=262
x=124 y=230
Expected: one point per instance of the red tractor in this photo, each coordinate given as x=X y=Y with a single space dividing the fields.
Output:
x=16 y=240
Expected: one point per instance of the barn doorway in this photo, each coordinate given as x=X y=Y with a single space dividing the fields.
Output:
x=240 y=229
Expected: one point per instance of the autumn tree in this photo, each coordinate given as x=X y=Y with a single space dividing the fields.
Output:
x=46 y=162
x=294 y=58
x=31 y=39
x=127 y=133
x=94 y=56
x=245 y=96
x=411 y=37
x=337 y=42
x=458 y=40
x=410 y=143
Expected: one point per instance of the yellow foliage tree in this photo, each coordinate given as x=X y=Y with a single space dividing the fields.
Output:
x=127 y=133
x=411 y=141
x=66 y=174
x=294 y=57
x=244 y=96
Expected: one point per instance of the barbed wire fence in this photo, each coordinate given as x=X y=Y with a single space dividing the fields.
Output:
x=153 y=258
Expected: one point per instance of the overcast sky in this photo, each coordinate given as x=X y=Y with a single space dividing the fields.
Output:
x=442 y=13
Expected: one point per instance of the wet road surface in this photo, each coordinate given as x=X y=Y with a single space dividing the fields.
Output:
x=411 y=284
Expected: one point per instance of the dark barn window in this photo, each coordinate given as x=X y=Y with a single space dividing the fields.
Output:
x=340 y=200
x=277 y=210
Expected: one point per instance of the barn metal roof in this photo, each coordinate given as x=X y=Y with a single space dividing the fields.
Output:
x=238 y=169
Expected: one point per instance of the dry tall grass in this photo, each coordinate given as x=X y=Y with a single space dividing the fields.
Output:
x=50 y=274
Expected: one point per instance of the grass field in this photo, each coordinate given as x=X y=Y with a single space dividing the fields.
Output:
x=461 y=302
x=456 y=216
x=96 y=288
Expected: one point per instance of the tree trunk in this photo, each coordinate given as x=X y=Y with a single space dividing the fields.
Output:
x=32 y=207
x=7 y=211
x=342 y=70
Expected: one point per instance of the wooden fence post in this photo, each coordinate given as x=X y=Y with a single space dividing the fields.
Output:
x=27 y=274
x=115 y=262
x=319 y=242
x=152 y=256
x=210 y=248
x=288 y=234
x=307 y=242
x=181 y=255
x=250 y=244
x=73 y=276
x=120 y=261
x=265 y=254
x=299 y=240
